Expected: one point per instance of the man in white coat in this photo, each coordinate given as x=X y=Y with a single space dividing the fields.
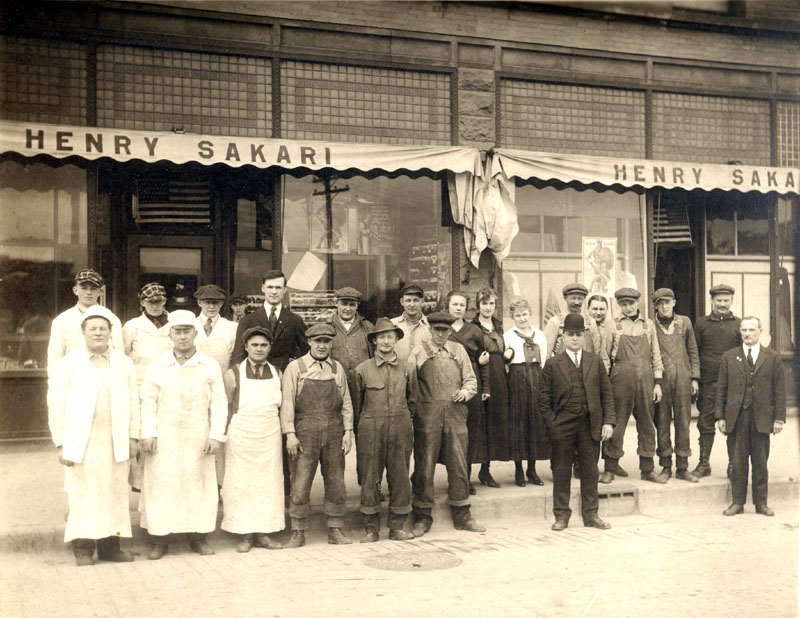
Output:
x=253 y=488
x=93 y=407
x=184 y=410
x=65 y=331
x=215 y=334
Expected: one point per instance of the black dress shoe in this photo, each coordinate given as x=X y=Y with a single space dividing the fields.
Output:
x=559 y=525
x=485 y=477
x=734 y=509
x=519 y=478
x=533 y=479
x=763 y=509
x=596 y=522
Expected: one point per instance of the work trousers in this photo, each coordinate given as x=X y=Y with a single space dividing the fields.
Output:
x=747 y=445
x=676 y=403
x=385 y=442
x=570 y=440
x=705 y=408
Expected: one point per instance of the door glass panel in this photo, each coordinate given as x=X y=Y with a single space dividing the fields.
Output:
x=178 y=270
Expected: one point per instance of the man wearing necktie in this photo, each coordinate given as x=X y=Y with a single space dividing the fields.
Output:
x=750 y=404
x=577 y=403
x=215 y=334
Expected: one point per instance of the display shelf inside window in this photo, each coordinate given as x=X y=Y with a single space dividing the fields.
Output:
x=315 y=306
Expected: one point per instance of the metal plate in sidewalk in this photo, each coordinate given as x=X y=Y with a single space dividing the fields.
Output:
x=413 y=561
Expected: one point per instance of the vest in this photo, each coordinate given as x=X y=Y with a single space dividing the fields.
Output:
x=576 y=404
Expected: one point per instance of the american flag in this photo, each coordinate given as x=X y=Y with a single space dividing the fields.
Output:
x=161 y=199
x=671 y=222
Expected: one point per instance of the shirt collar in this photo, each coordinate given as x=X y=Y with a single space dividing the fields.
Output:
x=422 y=320
x=268 y=308
x=720 y=317
x=204 y=318
x=191 y=358
x=106 y=354
x=382 y=360
x=310 y=360
x=756 y=348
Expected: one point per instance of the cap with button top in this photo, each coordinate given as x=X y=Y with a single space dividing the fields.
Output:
x=412 y=289
x=574 y=288
x=152 y=291
x=663 y=294
x=90 y=276
x=627 y=294
x=210 y=292
x=98 y=311
x=721 y=288
x=347 y=294
x=256 y=330
x=320 y=331
x=440 y=319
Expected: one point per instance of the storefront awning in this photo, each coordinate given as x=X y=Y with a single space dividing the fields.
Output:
x=60 y=141
x=608 y=171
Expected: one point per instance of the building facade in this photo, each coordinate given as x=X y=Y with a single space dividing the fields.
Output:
x=192 y=143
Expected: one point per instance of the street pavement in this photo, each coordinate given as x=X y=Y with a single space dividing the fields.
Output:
x=703 y=566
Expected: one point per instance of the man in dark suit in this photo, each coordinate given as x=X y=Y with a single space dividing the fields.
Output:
x=287 y=328
x=750 y=404
x=577 y=403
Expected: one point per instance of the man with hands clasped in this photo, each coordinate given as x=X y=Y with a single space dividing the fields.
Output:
x=317 y=420
x=577 y=403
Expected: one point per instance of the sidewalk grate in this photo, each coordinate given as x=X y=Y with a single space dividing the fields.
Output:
x=413 y=561
x=618 y=502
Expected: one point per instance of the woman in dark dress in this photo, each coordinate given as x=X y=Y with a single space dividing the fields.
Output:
x=476 y=344
x=496 y=407
x=527 y=433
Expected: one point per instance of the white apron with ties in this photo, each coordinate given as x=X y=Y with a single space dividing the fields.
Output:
x=252 y=494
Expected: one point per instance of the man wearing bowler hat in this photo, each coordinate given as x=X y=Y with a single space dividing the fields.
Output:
x=681 y=374
x=412 y=321
x=577 y=403
x=446 y=382
x=715 y=333
x=65 y=331
x=317 y=420
x=636 y=377
x=215 y=335
x=383 y=400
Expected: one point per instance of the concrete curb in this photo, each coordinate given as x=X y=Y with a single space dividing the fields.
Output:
x=623 y=497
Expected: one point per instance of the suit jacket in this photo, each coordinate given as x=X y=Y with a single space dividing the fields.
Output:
x=288 y=340
x=769 y=398
x=555 y=386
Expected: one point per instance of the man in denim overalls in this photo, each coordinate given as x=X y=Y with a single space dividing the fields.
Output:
x=317 y=419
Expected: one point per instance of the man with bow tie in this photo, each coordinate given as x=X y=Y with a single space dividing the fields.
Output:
x=750 y=404
x=577 y=404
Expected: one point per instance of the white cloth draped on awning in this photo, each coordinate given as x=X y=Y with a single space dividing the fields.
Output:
x=611 y=171
x=61 y=141
x=485 y=207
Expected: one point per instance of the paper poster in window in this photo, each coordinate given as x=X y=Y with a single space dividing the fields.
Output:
x=599 y=265
x=338 y=242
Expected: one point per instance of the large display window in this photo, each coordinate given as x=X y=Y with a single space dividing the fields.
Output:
x=565 y=235
x=43 y=243
x=374 y=234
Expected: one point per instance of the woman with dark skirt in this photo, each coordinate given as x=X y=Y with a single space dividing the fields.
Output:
x=527 y=433
x=496 y=407
x=476 y=344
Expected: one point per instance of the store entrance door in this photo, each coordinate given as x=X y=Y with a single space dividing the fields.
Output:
x=180 y=263
x=675 y=271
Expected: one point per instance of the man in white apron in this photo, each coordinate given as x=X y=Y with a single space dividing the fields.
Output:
x=184 y=410
x=253 y=491
x=145 y=340
x=93 y=406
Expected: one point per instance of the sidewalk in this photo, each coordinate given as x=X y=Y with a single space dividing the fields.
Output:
x=34 y=502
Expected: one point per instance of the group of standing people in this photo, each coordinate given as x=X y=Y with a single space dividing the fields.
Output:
x=254 y=406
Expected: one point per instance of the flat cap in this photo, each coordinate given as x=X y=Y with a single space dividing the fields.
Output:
x=88 y=275
x=721 y=288
x=239 y=299
x=627 y=294
x=574 y=288
x=439 y=318
x=152 y=291
x=98 y=311
x=256 y=330
x=385 y=325
x=210 y=292
x=347 y=294
x=321 y=329
x=662 y=293
x=412 y=288
x=574 y=323
x=181 y=317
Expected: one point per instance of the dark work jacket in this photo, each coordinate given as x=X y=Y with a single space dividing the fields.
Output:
x=555 y=386
x=715 y=334
x=288 y=340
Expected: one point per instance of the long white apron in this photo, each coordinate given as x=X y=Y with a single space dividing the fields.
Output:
x=252 y=494
x=146 y=347
x=179 y=489
x=97 y=488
